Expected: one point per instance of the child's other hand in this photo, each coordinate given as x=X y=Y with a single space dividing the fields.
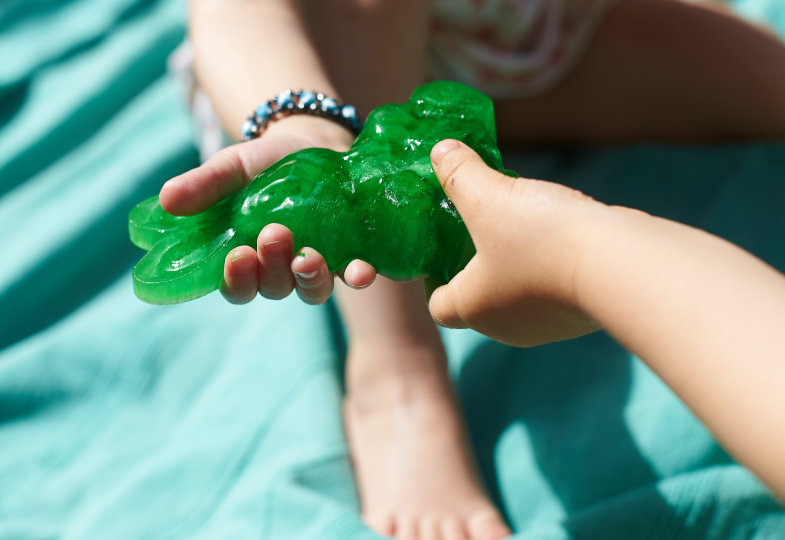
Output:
x=271 y=269
x=519 y=287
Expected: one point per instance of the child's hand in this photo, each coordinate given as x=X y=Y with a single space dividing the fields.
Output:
x=703 y=314
x=270 y=269
x=518 y=288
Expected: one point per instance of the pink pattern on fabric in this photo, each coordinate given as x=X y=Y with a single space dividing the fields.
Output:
x=510 y=48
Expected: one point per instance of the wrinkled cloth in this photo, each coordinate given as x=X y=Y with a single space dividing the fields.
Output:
x=120 y=420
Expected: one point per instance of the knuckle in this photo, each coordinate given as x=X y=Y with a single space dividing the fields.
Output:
x=277 y=288
x=224 y=160
x=453 y=164
x=230 y=167
x=237 y=297
x=314 y=297
x=274 y=294
x=316 y=283
x=311 y=285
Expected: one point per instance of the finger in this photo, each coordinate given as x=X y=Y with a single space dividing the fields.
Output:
x=221 y=175
x=359 y=274
x=275 y=246
x=314 y=282
x=241 y=275
x=430 y=286
x=467 y=180
x=444 y=306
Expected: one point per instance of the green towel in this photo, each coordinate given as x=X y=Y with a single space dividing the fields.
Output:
x=205 y=420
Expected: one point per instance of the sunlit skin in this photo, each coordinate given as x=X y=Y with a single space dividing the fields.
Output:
x=379 y=200
x=689 y=61
x=552 y=264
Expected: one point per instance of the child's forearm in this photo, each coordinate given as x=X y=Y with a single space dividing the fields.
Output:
x=706 y=316
x=551 y=263
x=246 y=52
x=352 y=50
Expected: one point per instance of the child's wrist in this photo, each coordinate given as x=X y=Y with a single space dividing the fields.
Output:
x=319 y=132
x=300 y=102
x=602 y=239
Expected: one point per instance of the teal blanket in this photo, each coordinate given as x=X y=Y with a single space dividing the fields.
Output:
x=206 y=420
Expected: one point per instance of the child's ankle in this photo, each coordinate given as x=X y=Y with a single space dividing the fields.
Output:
x=395 y=371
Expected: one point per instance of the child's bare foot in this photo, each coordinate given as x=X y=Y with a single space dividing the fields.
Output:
x=414 y=469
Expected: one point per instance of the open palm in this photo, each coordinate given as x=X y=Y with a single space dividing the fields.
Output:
x=271 y=269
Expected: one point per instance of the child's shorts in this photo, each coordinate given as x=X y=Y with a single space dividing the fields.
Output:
x=505 y=48
x=510 y=48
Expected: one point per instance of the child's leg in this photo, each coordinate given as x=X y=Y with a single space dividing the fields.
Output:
x=663 y=69
x=415 y=472
x=414 y=467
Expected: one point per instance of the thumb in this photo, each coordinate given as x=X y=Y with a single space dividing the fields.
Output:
x=444 y=307
x=220 y=176
x=466 y=179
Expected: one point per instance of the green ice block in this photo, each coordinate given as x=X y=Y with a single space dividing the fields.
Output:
x=379 y=201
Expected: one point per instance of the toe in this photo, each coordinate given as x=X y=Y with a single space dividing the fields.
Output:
x=452 y=529
x=429 y=528
x=406 y=528
x=486 y=524
x=381 y=523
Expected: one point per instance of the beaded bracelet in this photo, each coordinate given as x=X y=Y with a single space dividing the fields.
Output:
x=300 y=102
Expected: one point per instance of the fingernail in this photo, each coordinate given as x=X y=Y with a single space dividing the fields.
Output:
x=358 y=287
x=242 y=265
x=272 y=243
x=307 y=275
x=308 y=280
x=304 y=275
x=438 y=151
